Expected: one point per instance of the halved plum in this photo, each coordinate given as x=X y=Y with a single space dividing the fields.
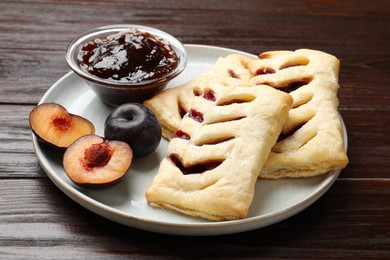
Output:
x=52 y=124
x=94 y=161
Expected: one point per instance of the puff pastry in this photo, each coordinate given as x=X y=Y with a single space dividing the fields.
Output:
x=311 y=142
x=220 y=146
x=170 y=105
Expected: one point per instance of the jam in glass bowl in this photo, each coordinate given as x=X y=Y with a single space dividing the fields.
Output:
x=126 y=63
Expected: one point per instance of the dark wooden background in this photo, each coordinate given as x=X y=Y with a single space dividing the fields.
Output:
x=351 y=221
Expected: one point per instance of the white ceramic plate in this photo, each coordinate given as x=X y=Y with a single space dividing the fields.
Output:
x=125 y=203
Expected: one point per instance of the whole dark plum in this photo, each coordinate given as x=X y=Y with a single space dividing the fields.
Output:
x=136 y=125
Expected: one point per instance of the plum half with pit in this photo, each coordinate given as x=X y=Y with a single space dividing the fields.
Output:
x=136 y=125
x=53 y=124
x=93 y=161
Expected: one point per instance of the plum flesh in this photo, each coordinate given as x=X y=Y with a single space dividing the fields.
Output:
x=94 y=161
x=53 y=124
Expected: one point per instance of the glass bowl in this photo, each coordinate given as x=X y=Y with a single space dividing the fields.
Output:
x=118 y=92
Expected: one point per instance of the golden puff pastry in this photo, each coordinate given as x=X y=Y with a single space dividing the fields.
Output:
x=311 y=142
x=309 y=76
x=216 y=154
x=171 y=104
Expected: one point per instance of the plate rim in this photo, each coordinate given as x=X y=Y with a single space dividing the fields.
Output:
x=191 y=229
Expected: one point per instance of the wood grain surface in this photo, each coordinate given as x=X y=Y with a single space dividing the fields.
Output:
x=351 y=221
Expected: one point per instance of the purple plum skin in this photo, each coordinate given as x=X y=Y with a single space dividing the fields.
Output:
x=136 y=125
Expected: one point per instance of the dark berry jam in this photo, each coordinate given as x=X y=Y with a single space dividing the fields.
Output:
x=292 y=131
x=233 y=74
x=130 y=57
x=209 y=95
x=263 y=71
x=197 y=116
x=181 y=134
x=289 y=86
x=197 y=92
x=194 y=169
x=235 y=101
x=293 y=86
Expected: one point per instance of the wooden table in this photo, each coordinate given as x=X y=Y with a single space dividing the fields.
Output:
x=351 y=221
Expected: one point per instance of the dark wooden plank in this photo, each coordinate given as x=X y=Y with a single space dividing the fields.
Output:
x=25 y=76
x=351 y=221
x=368 y=143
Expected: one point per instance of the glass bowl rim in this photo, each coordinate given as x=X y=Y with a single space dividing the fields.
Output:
x=97 y=32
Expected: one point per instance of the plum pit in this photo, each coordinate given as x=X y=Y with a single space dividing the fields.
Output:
x=61 y=123
x=97 y=155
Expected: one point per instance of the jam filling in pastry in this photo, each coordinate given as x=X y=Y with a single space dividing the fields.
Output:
x=171 y=104
x=220 y=147
x=218 y=150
